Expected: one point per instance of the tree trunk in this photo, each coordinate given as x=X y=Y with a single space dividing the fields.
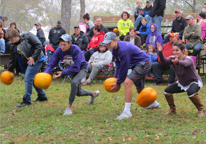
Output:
x=82 y=12
x=66 y=15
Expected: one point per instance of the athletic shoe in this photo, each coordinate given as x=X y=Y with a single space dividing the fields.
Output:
x=155 y=104
x=91 y=101
x=40 y=99
x=24 y=103
x=161 y=84
x=68 y=111
x=124 y=115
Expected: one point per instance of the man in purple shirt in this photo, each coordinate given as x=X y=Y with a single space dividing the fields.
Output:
x=128 y=56
x=77 y=67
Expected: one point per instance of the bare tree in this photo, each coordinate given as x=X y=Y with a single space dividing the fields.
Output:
x=82 y=12
x=66 y=14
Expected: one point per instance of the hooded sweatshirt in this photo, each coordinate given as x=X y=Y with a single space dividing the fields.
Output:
x=96 y=39
x=203 y=27
x=154 y=37
x=124 y=26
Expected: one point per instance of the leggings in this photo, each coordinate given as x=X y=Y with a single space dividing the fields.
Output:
x=173 y=88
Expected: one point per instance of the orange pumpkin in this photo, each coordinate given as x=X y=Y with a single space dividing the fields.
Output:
x=42 y=80
x=146 y=97
x=115 y=30
x=7 y=77
x=95 y=24
x=186 y=51
x=108 y=82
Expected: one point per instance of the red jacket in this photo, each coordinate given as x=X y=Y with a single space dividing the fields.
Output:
x=167 y=50
x=96 y=39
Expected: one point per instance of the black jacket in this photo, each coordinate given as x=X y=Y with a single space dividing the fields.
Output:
x=158 y=8
x=179 y=25
x=30 y=47
x=82 y=41
x=91 y=33
x=54 y=35
x=40 y=35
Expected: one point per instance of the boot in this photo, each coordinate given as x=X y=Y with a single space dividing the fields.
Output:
x=196 y=101
x=170 y=101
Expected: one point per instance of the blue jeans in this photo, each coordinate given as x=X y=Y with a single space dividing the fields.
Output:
x=138 y=20
x=2 y=45
x=167 y=39
x=88 y=54
x=31 y=71
x=157 y=20
x=196 y=49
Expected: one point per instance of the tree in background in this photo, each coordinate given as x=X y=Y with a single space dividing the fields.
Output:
x=66 y=14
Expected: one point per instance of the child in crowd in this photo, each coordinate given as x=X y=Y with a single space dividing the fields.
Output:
x=152 y=53
x=138 y=10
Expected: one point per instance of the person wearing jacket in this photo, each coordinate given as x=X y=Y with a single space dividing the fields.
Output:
x=124 y=24
x=128 y=56
x=2 y=38
x=178 y=26
x=98 y=23
x=88 y=22
x=94 y=43
x=79 y=38
x=144 y=30
x=13 y=25
x=202 y=23
x=40 y=33
x=133 y=38
x=157 y=13
x=154 y=37
x=55 y=33
x=77 y=69
x=31 y=48
x=100 y=59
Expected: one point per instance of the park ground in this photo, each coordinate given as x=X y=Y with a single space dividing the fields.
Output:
x=43 y=122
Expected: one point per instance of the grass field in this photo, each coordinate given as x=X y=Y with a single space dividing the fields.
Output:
x=43 y=122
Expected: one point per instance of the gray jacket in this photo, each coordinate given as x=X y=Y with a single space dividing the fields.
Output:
x=82 y=41
x=30 y=47
x=104 y=58
x=90 y=25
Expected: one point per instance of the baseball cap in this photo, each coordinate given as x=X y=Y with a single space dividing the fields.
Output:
x=102 y=44
x=189 y=17
x=178 y=11
x=59 y=21
x=66 y=38
x=109 y=36
x=172 y=35
x=76 y=26
x=37 y=23
x=148 y=0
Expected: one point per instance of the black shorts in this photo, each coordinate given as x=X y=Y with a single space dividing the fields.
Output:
x=138 y=74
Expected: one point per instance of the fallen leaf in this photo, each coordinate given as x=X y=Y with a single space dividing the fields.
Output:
x=129 y=138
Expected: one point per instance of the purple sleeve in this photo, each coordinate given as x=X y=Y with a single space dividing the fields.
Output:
x=159 y=40
x=124 y=66
x=117 y=63
x=53 y=62
x=186 y=62
x=74 y=69
x=164 y=60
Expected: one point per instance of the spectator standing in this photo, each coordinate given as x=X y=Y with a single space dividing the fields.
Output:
x=157 y=13
x=40 y=33
x=98 y=23
x=133 y=38
x=55 y=33
x=154 y=37
x=178 y=26
x=193 y=35
x=159 y=68
x=79 y=38
x=124 y=24
x=13 y=25
x=88 y=22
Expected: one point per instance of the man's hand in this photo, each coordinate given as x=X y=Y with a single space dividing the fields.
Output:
x=115 y=88
x=31 y=61
x=92 y=64
x=159 y=46
x=57 y=74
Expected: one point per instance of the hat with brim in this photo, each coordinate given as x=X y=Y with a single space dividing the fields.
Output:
x=189 y=17
x=172 y=35
x=37 y=23
x=109 y=36
x=102 y=44
x=66 y=38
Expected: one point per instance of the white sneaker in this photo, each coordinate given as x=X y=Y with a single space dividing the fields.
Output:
x=68 y=111
x=155 y=104
x=91 y=101
x=124 y=115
